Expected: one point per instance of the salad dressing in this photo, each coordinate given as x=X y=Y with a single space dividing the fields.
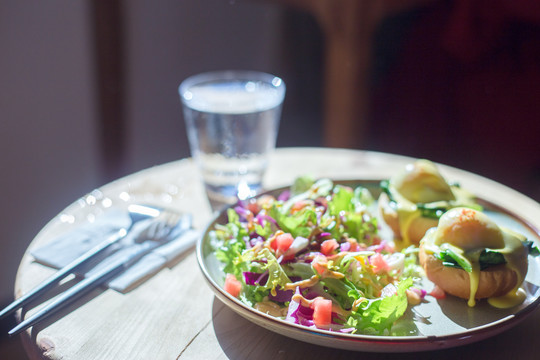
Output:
x=271 y=308
x=303 y=283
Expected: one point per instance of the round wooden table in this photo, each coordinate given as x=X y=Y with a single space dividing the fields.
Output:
x=174 y=314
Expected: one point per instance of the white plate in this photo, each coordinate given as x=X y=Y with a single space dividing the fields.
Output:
x=434 y=324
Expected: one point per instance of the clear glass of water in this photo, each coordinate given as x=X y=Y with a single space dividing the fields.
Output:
x=232 y=120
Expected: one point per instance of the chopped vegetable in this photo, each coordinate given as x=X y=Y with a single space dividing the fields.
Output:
x=232 y=285
x=315 y=254
x=437 y=293
x=328 y=246
x=322 y=312
x=284 y=242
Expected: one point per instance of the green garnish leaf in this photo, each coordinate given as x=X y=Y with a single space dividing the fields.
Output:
x=385 y=188
x=531 y=248
x=490 y=258
x=486 y=259
x=431 y=212
x=449 y=257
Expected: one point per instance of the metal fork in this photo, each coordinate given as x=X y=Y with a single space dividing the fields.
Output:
x=166 y=227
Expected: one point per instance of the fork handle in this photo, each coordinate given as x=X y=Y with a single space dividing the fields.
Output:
x=62 y=273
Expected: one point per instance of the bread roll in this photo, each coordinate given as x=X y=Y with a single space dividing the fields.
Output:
x=493 y=282
x=416 y=229
x=464 y=234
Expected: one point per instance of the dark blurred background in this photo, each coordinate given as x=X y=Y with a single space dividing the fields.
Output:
x=88 y=90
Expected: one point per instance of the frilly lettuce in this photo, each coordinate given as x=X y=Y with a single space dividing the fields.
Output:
x=264 y=261
x=378 y=315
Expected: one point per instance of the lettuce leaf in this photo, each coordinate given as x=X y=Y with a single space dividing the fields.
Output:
x=298 y=224
x=377 y=316
x=267 y=262
x=253 y=294
x=302 y=184
x=347 y=208
x=320 y=188
x=230 y=238
x=342 y=290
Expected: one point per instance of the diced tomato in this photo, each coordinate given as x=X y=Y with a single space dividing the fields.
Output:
x=283 y=242
x=319 y=264
x=322 y=311
x=232 y=285
x=299 y=205
x=378 y=262
x=353 y=245
x=253 y=206
x=438 y=293
x=273 y=244
x=328 y=246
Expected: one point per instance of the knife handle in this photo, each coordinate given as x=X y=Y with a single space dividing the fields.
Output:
x=62 y=273
x=70 y=295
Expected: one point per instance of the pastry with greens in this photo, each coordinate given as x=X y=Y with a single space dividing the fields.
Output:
x=413 y=200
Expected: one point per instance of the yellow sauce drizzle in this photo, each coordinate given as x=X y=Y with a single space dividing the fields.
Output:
x=513 y=253
x=511 y=299
x=271 y=308
x=303 y=283
x=474 y=281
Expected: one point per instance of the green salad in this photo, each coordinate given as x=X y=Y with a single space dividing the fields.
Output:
x=313 y=256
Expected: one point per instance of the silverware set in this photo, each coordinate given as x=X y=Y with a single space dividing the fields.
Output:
x=160 y=226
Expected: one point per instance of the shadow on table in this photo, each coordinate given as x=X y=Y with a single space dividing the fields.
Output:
x=64 y=310
x=241 y=339
x=10 y=347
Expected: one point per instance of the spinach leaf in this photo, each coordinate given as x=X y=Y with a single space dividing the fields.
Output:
x=531 y=248
x=490 y=258
x=487 y=259
x=385 y=187
x=453 y=259
x=431 y=212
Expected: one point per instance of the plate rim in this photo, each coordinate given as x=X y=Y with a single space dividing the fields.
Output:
x=362 y=342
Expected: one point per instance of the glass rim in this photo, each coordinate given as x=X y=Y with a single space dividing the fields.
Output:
x=220 y=75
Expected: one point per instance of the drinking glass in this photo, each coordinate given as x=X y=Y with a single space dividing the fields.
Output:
x=232 y=120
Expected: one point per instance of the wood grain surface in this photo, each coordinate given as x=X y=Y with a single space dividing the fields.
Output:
x=174 y=315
